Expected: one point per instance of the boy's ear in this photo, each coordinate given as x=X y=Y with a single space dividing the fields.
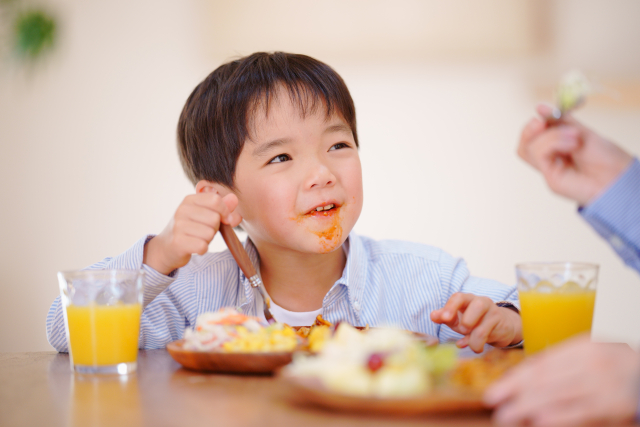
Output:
x=211 y=187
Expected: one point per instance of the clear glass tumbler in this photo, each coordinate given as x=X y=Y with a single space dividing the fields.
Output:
x=102 y=317
x=557 y=301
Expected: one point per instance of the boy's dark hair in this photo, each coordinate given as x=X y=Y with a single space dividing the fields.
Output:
x=215 y=121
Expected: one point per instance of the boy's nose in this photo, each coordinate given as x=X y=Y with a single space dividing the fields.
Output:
x=320 y=176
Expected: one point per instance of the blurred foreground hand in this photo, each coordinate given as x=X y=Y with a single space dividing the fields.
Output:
x=576 y=382
x=576 y=162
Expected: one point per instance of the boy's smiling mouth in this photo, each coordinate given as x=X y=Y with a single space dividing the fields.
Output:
x=329 y=227
x=324 y=209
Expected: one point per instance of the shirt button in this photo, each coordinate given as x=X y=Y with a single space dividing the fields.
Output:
x=356 y=305
x=616 y=242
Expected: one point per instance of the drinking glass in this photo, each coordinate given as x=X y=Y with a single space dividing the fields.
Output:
x=556 y=301
x=102 y=318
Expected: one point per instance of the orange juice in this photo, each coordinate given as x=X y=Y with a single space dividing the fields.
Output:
x=548 y=318
x=104 y=335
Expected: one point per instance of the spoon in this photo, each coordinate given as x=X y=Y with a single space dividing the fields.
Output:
x=244 y=262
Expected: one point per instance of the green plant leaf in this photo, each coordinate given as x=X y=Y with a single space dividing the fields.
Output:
x=35 y=32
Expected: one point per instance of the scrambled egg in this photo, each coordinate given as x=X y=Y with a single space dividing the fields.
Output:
x=274 y=338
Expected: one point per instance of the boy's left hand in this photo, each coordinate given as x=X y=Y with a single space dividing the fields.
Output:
x=480 y=320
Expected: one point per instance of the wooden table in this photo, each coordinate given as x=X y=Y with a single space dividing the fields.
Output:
x=39 y=389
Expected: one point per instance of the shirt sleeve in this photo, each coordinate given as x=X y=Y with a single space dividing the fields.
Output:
x=154 y=284
x=615 y=215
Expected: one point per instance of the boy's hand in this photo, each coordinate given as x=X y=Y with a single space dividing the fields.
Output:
x=480 y=320
x=576 y=162
x=190 y=231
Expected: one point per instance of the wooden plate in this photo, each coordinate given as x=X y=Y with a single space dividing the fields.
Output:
x=461 y=393
x=236 y=363
x=308 y=391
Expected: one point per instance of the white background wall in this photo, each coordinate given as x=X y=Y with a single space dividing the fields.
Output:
x=88 y=162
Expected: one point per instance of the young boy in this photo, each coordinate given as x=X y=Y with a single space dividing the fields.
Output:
x=270 y=143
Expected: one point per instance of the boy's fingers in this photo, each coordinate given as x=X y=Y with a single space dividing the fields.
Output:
x=463 y=342
x=449 y=313
x=195 y=229
x=458 y=302
x=475 y=311
x=191 y=245
x=200 y=214
x=231 y=200
x=480 y=335
x=212 y=201
x=233 y=218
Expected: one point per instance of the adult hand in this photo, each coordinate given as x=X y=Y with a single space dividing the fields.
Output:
x=576 y=162
x=480 y=320
x=190 y=231
x=576 y=382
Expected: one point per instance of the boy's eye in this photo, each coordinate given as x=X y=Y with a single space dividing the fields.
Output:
x=339 y=146
x=280 y=158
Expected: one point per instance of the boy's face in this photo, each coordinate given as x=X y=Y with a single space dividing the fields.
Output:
x=291 y=167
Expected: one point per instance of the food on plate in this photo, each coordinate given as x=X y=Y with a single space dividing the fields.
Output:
x=384 y=362
x=318 y=333
x=477 y=373
x=228 y=330
x=315 y=335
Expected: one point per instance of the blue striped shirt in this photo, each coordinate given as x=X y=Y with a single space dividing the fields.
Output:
x=615 y=215
x=383 y=282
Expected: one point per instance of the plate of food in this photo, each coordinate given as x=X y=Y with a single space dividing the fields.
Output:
x=228 y=341
x=387 y=371
x=231 y=342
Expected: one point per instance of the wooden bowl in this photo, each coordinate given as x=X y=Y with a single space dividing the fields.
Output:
x=235 y=363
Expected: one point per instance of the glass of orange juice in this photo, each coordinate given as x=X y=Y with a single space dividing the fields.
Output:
x=102 y=316
x=556 y=301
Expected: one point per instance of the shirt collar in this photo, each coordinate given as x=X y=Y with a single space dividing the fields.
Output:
x=353 y=276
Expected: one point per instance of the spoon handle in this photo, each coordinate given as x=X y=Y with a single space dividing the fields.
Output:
x=237 y=250
x=242 y=258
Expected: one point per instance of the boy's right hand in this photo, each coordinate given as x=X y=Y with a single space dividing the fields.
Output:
x=190 y=231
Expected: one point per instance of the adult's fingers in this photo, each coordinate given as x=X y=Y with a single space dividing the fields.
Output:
x=557 y=142
x=510 y=384
x=540 y=370
x=566 y=413
x=531 y=130
x=546 y=112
